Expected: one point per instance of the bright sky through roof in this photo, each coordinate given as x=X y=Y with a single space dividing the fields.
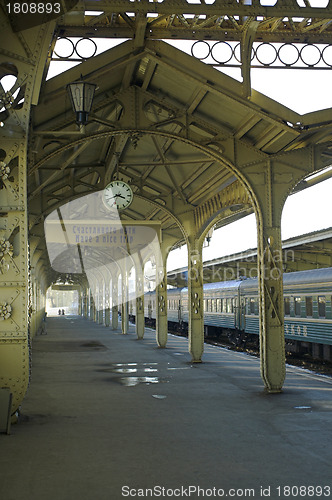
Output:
x=304 y=91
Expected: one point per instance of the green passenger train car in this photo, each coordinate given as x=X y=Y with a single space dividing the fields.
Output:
x=233 y=306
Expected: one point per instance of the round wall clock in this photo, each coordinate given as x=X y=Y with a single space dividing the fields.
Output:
x=117 y=194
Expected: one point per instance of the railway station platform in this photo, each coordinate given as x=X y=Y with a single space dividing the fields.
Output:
x=109 y=417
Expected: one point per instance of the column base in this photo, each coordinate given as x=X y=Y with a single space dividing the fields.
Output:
x=273 y=391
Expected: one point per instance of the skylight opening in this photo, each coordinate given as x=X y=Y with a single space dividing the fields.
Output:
x=295 y=88
x=69 y=52
x=268 y=3
x=313 y=176
x=93 y=12
x=8 y=82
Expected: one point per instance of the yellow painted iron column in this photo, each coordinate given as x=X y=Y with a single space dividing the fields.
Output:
x=271 y=303
x=80 y=302
x=271 y=187
x=139 y=302
x=115 y=301
x=107 y=304
x=124 y=302
x=161 y=301
x=101 y=304
x=195 y=300
x=91 y=305
x=85 y=303
x=95 y=296
x=15 y=304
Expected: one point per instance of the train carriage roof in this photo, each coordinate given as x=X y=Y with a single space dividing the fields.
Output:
x=315 y=276
x=217 y=286
x=323 y=275
x=173 y=291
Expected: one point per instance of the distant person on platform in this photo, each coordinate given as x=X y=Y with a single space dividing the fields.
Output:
x=63 y=312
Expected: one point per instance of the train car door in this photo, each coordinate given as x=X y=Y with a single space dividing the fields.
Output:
x=242 y=313
x=179 y=313
x=239 y=312
x=236 y=313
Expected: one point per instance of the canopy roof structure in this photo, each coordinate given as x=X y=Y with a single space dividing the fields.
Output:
x=161 y=121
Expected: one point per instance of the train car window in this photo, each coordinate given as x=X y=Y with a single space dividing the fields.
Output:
x=229 y=305
x=322 y=306
x=287 y=306
x=219 y=307
x=205 y=305
x=224 y=306
x=297 y=306
x=308 y=306
x=252 y=306
x=209 y=305
x=214 y=305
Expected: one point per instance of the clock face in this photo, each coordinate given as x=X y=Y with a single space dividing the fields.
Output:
x=117 y=194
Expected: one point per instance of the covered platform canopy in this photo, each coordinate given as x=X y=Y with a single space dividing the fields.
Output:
x=195 y=146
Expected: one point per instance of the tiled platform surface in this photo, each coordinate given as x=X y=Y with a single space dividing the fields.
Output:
x=106 y=412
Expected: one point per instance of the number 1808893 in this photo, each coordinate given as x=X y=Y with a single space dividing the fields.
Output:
x=34 y=8
x=304 y=491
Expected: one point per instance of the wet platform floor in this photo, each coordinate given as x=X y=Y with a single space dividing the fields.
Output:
x=108 y=417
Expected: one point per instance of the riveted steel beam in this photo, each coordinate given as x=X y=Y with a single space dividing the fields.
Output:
x=286 y=21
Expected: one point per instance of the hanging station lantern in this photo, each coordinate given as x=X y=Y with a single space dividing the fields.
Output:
x=81 y=95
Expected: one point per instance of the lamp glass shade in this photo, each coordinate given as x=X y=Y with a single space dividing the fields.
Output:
x=81 y=95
